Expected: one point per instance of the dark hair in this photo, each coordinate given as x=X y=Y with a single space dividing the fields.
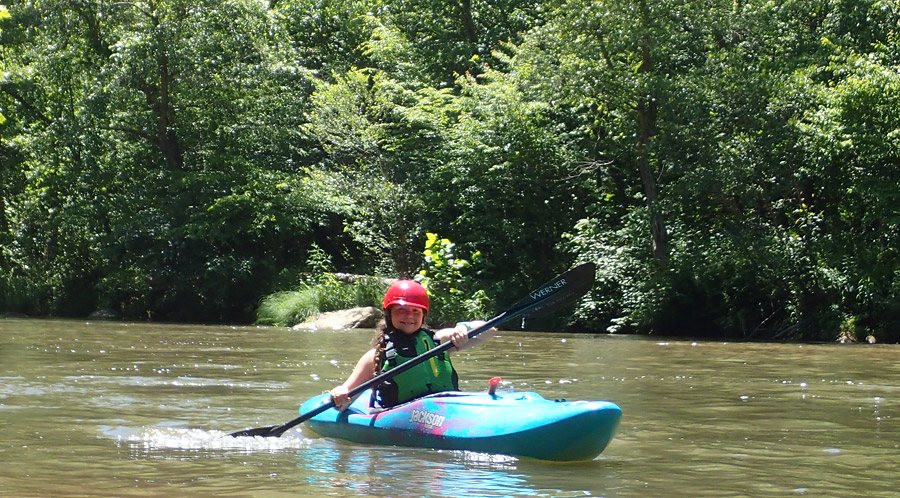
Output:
x=379 y=343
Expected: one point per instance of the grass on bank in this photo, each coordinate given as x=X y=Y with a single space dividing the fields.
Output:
x=330 y=292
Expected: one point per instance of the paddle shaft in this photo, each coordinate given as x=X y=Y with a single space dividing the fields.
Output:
x=551 y=295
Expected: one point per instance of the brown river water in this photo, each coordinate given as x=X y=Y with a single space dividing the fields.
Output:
x=133 y=409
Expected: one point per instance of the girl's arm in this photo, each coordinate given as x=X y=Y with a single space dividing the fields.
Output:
x=362 y=372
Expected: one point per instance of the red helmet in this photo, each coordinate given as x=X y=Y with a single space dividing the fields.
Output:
x=407 y=293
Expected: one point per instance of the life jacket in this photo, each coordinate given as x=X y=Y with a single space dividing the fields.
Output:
x=431 y=376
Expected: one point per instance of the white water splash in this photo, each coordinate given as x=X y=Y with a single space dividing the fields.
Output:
x=168 y=438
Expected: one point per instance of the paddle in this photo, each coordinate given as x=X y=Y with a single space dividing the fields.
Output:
x=553 y=294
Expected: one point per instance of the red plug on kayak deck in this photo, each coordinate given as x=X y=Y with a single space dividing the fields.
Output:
x=492 y=385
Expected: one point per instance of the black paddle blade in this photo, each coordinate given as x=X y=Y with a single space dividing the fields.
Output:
x=557 y=292
x=259 y=431
x=278 y=430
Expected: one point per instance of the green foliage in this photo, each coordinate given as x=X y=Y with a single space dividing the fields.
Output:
x=159 y=178
x=328 y=35
x=731 y=166
x=320 y=290
x=451 y=283
x=757 y=209
x=4 y=14
x=327 y=293
x=450 y=38
x=505 y=185
x=288 y=308
x=379 y=136
x=851 y=140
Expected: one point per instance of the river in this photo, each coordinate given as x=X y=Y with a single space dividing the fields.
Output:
x=135 y=409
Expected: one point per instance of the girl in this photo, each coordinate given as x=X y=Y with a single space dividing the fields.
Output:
x=401 y=337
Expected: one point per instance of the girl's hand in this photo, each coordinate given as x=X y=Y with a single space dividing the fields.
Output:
x=459 y=336
x=341 y=397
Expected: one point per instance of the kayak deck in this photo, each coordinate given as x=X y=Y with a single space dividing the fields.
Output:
x=521 y=424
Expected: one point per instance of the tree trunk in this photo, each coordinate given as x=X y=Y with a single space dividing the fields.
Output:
x=465 y=11
x=646 y=121
x=165 y=136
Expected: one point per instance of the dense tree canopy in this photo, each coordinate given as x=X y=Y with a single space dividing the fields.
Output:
x=730 y=166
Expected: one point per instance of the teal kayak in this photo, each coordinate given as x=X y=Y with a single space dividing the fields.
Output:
x=521 y=424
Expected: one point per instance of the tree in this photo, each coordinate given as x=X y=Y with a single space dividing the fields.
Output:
x=448 y=38
x=502 y=184
x=160 y=142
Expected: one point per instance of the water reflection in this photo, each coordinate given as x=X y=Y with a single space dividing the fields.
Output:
x=381 y=471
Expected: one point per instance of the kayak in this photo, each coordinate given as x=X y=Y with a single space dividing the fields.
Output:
x=521 y=424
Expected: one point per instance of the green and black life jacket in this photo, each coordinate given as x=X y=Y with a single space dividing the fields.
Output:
x=431 y=376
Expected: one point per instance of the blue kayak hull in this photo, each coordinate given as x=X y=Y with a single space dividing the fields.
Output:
x=521 y=424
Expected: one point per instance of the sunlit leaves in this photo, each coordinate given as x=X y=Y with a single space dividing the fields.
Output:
x=4 y=14
x=450 y=280
x=170 y=156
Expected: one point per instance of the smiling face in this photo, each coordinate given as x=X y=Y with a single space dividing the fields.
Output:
x=407 y=319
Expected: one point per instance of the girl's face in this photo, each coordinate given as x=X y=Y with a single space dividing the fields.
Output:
x=407 y=319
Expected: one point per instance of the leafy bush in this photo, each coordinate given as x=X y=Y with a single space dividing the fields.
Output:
x=451 y=283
